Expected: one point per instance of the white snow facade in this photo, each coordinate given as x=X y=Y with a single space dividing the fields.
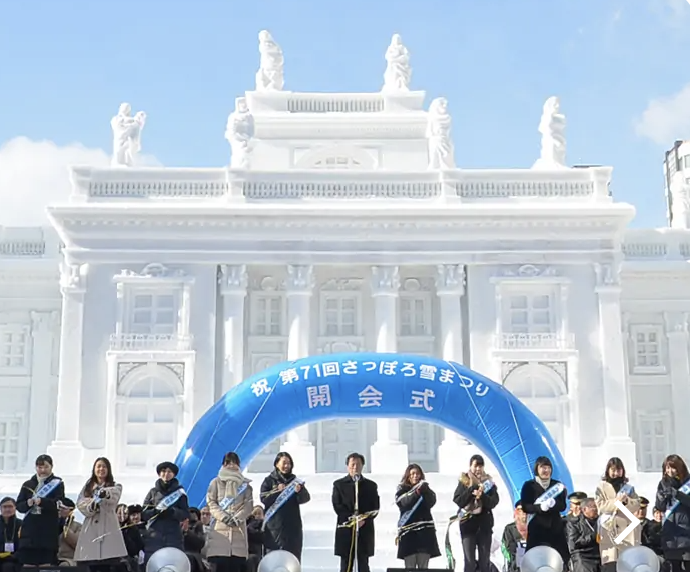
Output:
x=342 y=224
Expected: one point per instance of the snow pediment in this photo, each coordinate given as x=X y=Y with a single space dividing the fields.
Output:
x=165 y=185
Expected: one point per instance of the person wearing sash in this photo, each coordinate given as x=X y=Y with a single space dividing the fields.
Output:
x=416 y=539
x=70 y=530
x=101 y=546
x=231 y=500
x=165 y=508
x=38 y=501
x=476 y=496
x=356 y=503
x=544 y=499
x=514 y=540
x=282 y=494
x=10 y=526
x=583 y=542
x=673 y=500
x=614 y=486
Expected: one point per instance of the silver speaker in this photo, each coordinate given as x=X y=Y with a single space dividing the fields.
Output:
x=541 y=559
x=278 y=561
x=168 y=560
x=638 y=559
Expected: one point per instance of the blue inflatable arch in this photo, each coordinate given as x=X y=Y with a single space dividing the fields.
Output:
x=372 y=385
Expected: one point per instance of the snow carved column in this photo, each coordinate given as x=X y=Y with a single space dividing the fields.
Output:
x=300 y=286
x=677 y=333
x=454 y=451
x=388 y=454
x=67 y=449
x=234 y=292
x=617 y=441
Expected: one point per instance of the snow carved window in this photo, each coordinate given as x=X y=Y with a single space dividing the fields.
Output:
x=653 y=439
x=268 y=312
x=153 y=313
x=415 y=314
x=340 y=314
x=530 y=314
x=14 y=348
x=647 y=349
x=10 y=435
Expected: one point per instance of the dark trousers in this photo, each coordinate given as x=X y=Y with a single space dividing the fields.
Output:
x=476 y=550
x=349 y=566
x=677 y=566
x=228 y=563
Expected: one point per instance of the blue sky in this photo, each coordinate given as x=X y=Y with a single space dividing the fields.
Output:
x=618 y=66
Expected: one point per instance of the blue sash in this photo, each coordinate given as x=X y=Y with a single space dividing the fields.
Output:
x=166 y=502
x=47 y=488
x=486 y=487
x=684 y=489
x=552 y=493
x=227 y=502
x=283 y=497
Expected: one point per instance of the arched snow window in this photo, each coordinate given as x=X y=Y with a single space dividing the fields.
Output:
x=149 y=420
x=340 y=157
x=544 y=393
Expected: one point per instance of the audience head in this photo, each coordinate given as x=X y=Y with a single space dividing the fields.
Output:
x=413 y=475
x=576 y=500
x=167 y=471
x=519 y=514
x=543 y=468
x=657 y=515
x=232 y=461
x=134 y=513
x=194 y=515
x=122 y=513
x=258 y=512
x=642 y=511
x=589 y=508
x=284 y=463
x=355 y=463
x=66 y=507
x=44 y=466
x=205 y=516
x=8 y=508
x=675 y=468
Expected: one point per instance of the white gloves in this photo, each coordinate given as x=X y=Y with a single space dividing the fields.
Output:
x=547 y=504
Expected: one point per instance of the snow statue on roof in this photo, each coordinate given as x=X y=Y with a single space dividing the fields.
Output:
x=126 y=135
x=398 y=70
x=552 y=129
x=679 y=201
x=270 y=74
x=239 y=133
x=441 y=149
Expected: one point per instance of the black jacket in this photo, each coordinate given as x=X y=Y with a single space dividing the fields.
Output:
x=675 y=532
x=545 y=528
x=39 y=530
x=482 y=522
x=134 y=541
x=509 y=546
x=9 y=531
x=164 y=529
x=343 y=500
x=255 y=536
x=284 y=529
x=420 y=538
x=651 y=535
x=582 y=544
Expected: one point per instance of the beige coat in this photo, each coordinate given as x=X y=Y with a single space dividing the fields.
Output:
x=100 y=537
x=606 y=504
x=68 y=542
x=224 y=540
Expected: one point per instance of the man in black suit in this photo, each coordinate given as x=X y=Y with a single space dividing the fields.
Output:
x=355 y=522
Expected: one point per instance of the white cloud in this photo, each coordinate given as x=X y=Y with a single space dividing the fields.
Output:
x=34 y=174
x=666 y=118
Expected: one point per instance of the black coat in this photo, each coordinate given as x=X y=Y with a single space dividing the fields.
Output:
x=651 y=535
x=421 y=540
x=545 y=528
x=164 y=529
x=255 y=536
x=9 y=531
x=284 y=530
x=675 y=532
x=343 y=499
x=582 y=544
x=509 y=546
x=134 y=541
x=479 y=523
x=40 y=530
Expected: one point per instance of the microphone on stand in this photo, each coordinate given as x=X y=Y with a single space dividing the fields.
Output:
x=355 y=568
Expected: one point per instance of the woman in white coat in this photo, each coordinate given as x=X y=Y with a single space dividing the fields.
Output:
x=231 y=500
x=100 y=545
